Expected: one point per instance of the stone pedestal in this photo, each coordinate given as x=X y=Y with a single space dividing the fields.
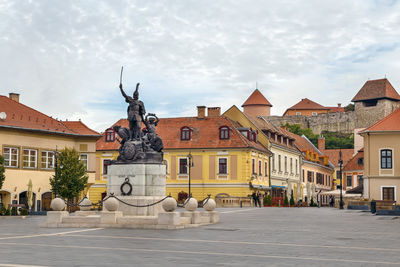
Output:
x=169 y=218
x=109 y=217
x=55 y=217
x=148 y=183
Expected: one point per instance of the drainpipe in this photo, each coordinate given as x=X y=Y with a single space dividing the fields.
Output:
x=269 y=172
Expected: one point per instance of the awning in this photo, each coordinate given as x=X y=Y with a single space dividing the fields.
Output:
x=278 y=186
x=260 y=187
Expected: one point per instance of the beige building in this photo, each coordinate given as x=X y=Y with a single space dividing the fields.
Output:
x=28 y=141
x=381 y=159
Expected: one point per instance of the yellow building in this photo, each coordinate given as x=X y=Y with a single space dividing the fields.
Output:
x=28 y=140
x=381 y=162
x=217 y=154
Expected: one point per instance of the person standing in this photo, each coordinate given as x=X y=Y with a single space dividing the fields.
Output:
x=254 y=196
x=259 y=196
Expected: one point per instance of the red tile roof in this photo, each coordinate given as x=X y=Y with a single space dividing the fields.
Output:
x=336 y=109
x=306 y=103
x=205 y=134
x=256 y=98
x=79 y=127
x=376 y=89
x=23 y=117
x=333 y=155
x=353 y=163
x=390 y=123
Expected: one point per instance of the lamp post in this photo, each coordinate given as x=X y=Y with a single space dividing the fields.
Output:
x=56 y=173
x=341 y=179
x=190 y=163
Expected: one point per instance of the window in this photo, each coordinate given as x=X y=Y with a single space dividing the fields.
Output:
x=285 y=164
x=259 y=168
x=222 y=166
x=298 y=113
x=48 y=160
x=224 y=132
x=183 y=166
x=279 y=163
x=29 y=159
x=314 y=113
x=84 y=159
x=360 y=161
x=291 y=165
x=245 y=133
x=370 y=103
x=349 y=180
x=388 y=193
x=110 y=135
x=106 y=163
x=186 y=133
x=11 y=157
x=360 y=179
x=265 y=169
x=273 y=162
x=386 y=159
x=297 y=171
x=303 y=176
x=253 y=167
x=309 y=176
x=337 y=174
x=320 y=178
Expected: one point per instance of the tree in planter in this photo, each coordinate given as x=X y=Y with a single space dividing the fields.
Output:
x=182 y=196
x=286 y=201
x=71 y=175
x=267 y=200
x=2 y=171
x=291 y=199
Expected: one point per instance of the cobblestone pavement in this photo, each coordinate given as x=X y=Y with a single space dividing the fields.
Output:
x=244 y=237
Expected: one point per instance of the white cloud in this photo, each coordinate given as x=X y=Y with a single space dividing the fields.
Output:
x=64 y=57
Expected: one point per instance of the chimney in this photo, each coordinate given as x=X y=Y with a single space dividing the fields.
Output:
x=14 y=96
x=214 y=112
x=321 y=144
x=339 y=105
x=201 y=112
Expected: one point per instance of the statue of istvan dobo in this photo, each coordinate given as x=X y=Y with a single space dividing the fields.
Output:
x=137 y=145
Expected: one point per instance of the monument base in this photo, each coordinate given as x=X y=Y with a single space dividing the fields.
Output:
x=140 y=201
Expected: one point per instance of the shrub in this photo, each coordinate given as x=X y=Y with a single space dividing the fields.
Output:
x=312 y=203
x=24 y=212
x=267 y=200
x=7 y=213
x=286 y=201
x=182 y=196
x=14 y=211
x=291 y=199
x=3 y=211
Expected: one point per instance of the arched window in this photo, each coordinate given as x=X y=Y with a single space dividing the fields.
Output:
x=110 y=135
x=186 y=133
x=224 y=132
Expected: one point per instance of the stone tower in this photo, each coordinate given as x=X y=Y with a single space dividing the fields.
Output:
x=375 y=100
x=257 y=105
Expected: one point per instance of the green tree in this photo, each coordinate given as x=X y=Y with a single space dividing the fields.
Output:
x=349 y=107
x=71 y=178
x=286 y=201
x=291 y=199
x=2 y=171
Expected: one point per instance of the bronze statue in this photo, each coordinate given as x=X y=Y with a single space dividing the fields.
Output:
x=135 y=111
x=138 y=146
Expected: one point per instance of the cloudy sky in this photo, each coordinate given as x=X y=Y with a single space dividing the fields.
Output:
x=64 y=57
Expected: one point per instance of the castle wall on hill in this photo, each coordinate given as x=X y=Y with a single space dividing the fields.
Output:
x=343 y=122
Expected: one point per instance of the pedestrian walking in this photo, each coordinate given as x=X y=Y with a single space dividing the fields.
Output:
x=259 y=196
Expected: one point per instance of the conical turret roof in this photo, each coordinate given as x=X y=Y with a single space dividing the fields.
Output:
x=256 y=98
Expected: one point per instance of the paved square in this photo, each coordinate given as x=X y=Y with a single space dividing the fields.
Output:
x=244 y=237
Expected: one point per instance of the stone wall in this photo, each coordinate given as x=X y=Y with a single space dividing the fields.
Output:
x=344 y=122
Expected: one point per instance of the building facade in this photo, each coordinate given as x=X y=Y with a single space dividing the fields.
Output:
x=218 y=155
x=381 y=160
x=28 y=141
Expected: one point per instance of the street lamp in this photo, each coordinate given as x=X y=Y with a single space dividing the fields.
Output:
x=341 y=179
x=190 y=163
x=56 y=173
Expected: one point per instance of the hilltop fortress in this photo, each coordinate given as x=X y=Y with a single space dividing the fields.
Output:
x=374 y=101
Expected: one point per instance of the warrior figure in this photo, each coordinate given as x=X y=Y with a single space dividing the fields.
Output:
x=135 y=111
